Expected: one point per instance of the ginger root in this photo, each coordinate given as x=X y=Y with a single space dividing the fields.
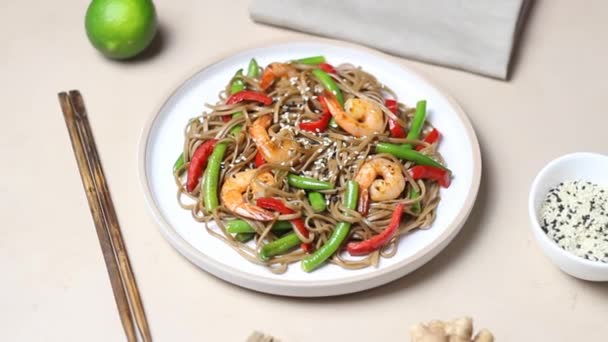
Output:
x=458 y=330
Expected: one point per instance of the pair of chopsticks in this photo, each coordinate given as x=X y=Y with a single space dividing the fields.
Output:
x=115 y=255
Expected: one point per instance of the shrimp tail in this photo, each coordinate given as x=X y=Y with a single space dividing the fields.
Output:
x=363 y=206
x=265 y=121
x=254 y=212
x=274 y=71
x=332 y=104
x=268 y=77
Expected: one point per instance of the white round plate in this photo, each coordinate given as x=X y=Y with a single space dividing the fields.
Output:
x=162 y=140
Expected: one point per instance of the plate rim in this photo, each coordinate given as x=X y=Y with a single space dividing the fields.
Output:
x=317 y=288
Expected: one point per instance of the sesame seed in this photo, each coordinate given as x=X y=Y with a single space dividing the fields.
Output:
x=574 y=215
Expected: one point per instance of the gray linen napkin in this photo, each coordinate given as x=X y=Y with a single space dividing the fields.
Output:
x=472 y=35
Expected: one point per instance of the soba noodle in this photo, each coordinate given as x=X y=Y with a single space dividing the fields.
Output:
x=334 y=156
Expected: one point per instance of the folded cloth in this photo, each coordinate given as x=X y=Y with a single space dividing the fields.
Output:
x=472 y=35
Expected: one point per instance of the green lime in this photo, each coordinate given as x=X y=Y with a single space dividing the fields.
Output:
x=120 y=28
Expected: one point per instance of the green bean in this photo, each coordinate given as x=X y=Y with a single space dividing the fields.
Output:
x=308 y=183
x=317 y=201
x=279 y=246
x=179 y=163
x=415 y=206
x=282 y=226
x=244 y=237
x=337 y=237
x=241 y=226
x=212 y=177
x=237 y=83
x=236 y=86
x=333 y=123
x=253 y=70
x=417 y=122
x=311 y=60
x=238 y=226
x=238 y=128
x=329 y=84
x=402 y=152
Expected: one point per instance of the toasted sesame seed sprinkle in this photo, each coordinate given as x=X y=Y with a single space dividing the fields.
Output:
x=575 y=215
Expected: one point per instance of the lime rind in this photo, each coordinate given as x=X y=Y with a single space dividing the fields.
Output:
x=121 y=29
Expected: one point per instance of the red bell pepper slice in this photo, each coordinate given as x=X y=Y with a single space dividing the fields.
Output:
x=249 y=95
x=431 y=138
x=321 y=124
x=259 y=159
x=275 y=204
x=198 y=163
x=278 y=205
x=376 y=242
x=318 y=125
x=442 y=177
x=391 y=105
x=394 y=127
x=328 y=68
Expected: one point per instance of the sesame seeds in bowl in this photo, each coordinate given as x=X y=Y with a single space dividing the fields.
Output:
x=568 y=207
x=574 y=215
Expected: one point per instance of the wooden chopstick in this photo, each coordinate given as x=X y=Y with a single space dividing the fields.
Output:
x=110 y=214
x=96 y=211
x=104 y=215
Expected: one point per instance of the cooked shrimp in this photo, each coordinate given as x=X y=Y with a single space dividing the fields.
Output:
x=271 y=151
x=359 y=117
x=387 y=188
x=235 y=186
x=274 y=71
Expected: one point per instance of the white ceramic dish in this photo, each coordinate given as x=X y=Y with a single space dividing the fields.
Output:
x=162 y=140
x=590 y=167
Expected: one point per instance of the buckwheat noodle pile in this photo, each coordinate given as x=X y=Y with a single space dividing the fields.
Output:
x=334 y=156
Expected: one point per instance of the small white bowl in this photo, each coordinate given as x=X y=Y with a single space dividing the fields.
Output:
x=585 y=166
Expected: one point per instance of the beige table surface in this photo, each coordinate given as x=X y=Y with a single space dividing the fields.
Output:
x=54 y=284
